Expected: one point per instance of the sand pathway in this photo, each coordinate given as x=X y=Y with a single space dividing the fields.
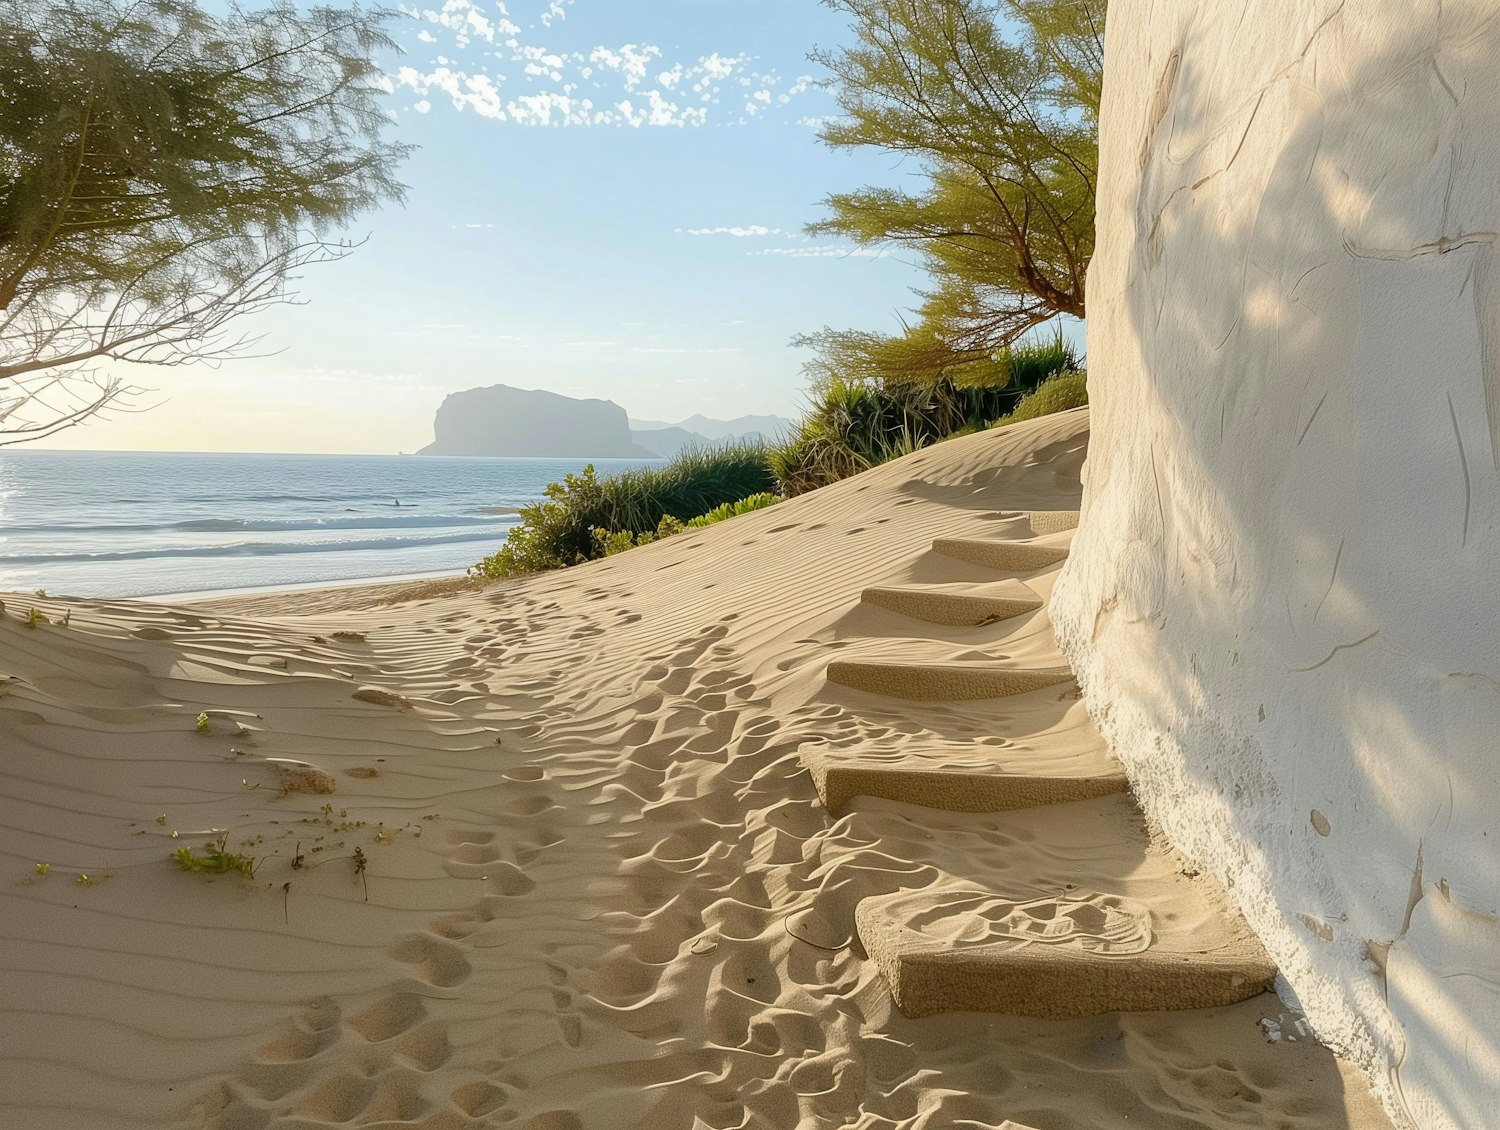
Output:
x=598 y=891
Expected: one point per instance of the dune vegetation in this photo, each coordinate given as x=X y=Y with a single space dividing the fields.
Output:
x=851 y=426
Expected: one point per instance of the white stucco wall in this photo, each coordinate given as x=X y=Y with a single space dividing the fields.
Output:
x=1284 y=596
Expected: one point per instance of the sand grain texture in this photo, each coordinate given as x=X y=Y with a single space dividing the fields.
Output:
x=599 y=889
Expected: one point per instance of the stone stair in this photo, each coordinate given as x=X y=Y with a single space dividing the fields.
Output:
x=1111 y=923
x=965 y=606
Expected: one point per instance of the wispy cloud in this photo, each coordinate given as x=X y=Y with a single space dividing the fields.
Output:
x=489 y=64
x=824 y=251
x=686 y=349
x=746 y=232
x=556 y=10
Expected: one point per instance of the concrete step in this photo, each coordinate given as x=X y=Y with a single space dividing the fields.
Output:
x=939 y=681
x=1012 y=556
x=956 y=605
x=1052 y=521
x=1156 y=941
x=980 y=776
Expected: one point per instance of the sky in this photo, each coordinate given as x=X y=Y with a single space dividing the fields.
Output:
x=608 y=200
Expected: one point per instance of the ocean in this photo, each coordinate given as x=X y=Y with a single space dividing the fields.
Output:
x=119 y=523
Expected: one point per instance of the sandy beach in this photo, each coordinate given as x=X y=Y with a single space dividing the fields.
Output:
x=554 y=853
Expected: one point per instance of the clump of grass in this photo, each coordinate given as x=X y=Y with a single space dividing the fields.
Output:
x=612 y=542
x=216 y=859
x=857 y=424
x=560 y=530
x=733 y=510
x=1056 y=394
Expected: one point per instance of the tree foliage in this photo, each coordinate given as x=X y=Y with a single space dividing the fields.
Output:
x=998 y=101
x=163 y=171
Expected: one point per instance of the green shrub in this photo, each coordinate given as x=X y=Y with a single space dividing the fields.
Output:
x=692 y=483
x=216 y=859
x=734 y=509
x=564 y=528
x=611 y=542
x=855 y=425
x=1056 y=394
x=554 y=532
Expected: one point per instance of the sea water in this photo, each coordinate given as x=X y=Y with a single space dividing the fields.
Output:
x=118 y=523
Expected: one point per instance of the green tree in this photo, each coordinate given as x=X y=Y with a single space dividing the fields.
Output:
x=998 y=101
x=163 y=171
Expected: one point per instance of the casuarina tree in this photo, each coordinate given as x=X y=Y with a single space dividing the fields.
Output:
x=163 y=171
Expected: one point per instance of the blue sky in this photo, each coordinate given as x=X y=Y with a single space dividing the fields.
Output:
x=608 y=200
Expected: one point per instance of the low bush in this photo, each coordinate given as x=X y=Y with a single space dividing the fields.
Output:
x=1056 y=394
x=560 y=530
x=855 y=425
x=734 y=509
x=612 y=542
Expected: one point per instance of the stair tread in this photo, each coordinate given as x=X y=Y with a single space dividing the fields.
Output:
x=994 y=553
x=1111 y=931
x=1053 y=768
x=937 y=680
x=957 y=605
x=1052 y=521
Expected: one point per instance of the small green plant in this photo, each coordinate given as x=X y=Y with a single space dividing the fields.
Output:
x=1057 y=393
x=83 y=880
x=43 y=868
x=361 y=861
x=612 y=542
x=561 y=529
x=216 y=859
x=734 y=509
x=202 y=726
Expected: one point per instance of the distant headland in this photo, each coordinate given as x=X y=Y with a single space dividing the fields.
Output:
x=519 y=423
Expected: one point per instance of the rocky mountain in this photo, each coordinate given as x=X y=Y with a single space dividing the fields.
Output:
x=500 y=420
x=704 y=427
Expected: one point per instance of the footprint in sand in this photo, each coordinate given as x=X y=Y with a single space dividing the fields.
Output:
x=435 y=961
x=478 y=1099
x=1099 y=924
x=312 y=1032
x=387 y=1019
x=388 y=1098
x=426 y=1049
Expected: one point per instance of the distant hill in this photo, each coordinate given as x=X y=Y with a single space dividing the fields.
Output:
x=667 y=442
x=766 y=427
x=504 y=421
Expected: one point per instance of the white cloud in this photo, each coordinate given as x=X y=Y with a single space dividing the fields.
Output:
x=630 y=61
x=824 y=251
x=465 y=19
x=475 y=92
x=476 y=49
x=556 y=10
x=685 y=349
x=737 y=232
x=659 y=111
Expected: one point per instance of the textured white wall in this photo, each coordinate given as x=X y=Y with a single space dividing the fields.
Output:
x=1284 y=598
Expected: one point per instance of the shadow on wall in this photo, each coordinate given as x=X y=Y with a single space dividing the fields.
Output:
x=1285 y=596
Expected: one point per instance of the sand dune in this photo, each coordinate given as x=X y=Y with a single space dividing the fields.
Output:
x=599 y=889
